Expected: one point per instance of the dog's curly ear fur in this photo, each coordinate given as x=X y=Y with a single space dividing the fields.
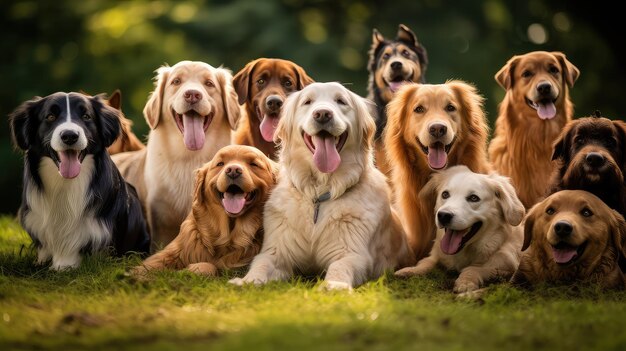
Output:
x=561 y=144
x=198 y=193
x=618 y=237
x=302 y=78
x=512 y=207
x=570 y=72
x=152 y=110
x=241 y=81
x=529 y=224
x=20 y=122
x=229 y=96
x=109 y=119
x=504 y=77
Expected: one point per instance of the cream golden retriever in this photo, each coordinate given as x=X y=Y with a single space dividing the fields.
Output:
x=330 y=210
x=479 y=234
x=191 y=114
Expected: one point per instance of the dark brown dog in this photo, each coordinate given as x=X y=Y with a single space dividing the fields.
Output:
x=262 y=86
x=589 y=156
x=573 y=236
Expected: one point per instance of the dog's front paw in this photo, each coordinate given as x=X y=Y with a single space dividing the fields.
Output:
x=409 y=272
x=203 y=268
x=330 y=285
x=462 y=285
x=236 y=281
x=247 y=280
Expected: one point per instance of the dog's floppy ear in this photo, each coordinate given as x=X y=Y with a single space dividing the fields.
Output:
x=22 y=122
x=529 y=224
x=561 y=144
x=472 y=107
x=302 y=78
x=504 y=77
x=241 y=81
x=618 y=236
x=621 y=131
x=365 y=120
x=274 y=167
x=115 y=99
x=512 y=207
x=229 y=96
x=430 y=189
x=198 y=193
x=397 y=108
x=570 y=72
x=152 y=110
x=108 y=119
x=287 y=115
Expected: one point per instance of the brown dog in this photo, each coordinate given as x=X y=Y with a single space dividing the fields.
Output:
x=535 y=109
x=431 y=127
x=573 y=236
x=262 y=86
x=590 y=156
x=224 y=227
x=127 y=141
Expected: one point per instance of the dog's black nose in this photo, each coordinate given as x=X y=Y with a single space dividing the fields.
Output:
x=595 y=159
x=444 y=217
x=563 y=228
x=69 y=137
x=322 y=116
x=544 y=88
x=396 y=65
x=233 y=172
x=273 y=102
x=437 y=130
x=192 y=96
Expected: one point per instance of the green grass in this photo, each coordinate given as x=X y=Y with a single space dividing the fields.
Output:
x=98 y=307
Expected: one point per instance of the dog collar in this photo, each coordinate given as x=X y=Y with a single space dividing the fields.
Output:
x=316 y=202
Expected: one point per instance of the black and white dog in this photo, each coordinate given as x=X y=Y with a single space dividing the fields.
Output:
x=74 y=199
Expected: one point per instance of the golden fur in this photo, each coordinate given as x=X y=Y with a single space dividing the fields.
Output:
x=280 y=78
x=407 y=134
x=127 y=141
x=212 y=239
x=522 y=144
x=603 y=232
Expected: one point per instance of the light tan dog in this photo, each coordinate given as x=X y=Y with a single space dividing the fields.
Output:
x=191 y=114
x=127 y=141
x=535 y=109
x=224 y=228
x=573 y=236
x=330 y=211
x=431 y=127
x=479 y=234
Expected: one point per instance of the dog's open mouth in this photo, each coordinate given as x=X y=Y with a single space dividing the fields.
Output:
x=545 y=107
x=193 y=126
x=437 y=153
x=69 y=162
x=454 y=240
x=269 y=122
x=235 y=200
x=397 y=82
x=565 y=253
x=326 y=148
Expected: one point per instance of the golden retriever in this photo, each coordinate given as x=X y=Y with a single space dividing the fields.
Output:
x=479 y=234
x=573 y=236
x=430 y=127
x=535 y=109
x=193 y=102
x=224 y=227
x=262 y=86
x=127 y=141
x=330 y=210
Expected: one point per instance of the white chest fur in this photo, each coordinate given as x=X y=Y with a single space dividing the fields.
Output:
x=58 y=216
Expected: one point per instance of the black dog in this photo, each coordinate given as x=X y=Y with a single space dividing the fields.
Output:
x=589 y=156
x=74 y=198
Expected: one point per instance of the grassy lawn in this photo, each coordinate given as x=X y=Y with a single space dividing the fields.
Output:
x=98 y=307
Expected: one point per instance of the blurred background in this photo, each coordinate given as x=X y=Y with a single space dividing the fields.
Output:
x=99 y=46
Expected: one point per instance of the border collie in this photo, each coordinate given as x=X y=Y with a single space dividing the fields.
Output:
x=74 y=199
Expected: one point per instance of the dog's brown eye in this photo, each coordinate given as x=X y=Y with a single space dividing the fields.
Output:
x=253 y=164
x=308 y=102
x=586 y=212
x=553 y=70
x=260 y=81
x=176 y=81
x=406 y=53
x=288 y=83
x=51 y=118
x=386 y=56
x=445 y=194
x=527 y=74
x=550 y=211
x=341 y=102
x=209 y=83
x=420 y=109
x=579 y=140
x=220 y=164
x=450 y=108
x=473 y=198
x=86 y=117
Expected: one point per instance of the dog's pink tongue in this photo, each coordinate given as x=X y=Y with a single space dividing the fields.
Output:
x=451 y=241
x=234 y=203
x=394 y=86
x=268 y=127
x=326 y=157
x=437 y=157
x=546 y=111
x=69 y=167
x=193 y=131
x=564 y=255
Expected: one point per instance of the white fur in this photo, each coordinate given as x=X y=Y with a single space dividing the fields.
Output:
x=58 y=217
x=58 y=144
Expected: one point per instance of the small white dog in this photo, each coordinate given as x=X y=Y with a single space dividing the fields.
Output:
x=479 y=236
x=331 y=208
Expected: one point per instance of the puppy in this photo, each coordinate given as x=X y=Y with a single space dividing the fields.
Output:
x=573 y=236
x=479 y=234
x=589 y=156
x=431 y=127
x=191 y=114
x=74 y=199
x=224 y=227
x=127 y=141
x=330 y=210
x=262 y=87
x=535 y=109
x=391 y=64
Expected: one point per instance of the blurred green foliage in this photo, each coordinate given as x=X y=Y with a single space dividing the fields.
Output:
x=99 y=46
